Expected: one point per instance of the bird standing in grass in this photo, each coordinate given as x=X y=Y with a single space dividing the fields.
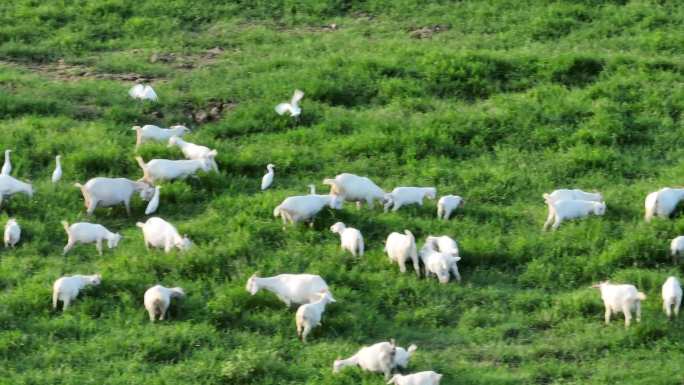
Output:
x=7 y=167
x=293 y=106
x=143 y=92
x=268 y=178
x=57 y=174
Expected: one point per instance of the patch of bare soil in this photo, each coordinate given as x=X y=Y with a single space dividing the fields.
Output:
x=427 y=32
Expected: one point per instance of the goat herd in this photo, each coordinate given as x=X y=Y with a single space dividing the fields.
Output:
x=439 y=255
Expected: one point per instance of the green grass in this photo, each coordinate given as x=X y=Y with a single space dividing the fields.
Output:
x=511 y=100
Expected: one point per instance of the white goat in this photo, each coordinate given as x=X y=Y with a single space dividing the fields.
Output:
x=573 y=195
x=10 y=186
x=672 y=296
x=420 y=378
x=292 y=106
x=290 y=288
x=154 y=202
x=66 y=288
x=402 y=356
x=7 y=166
x=443 y=244
x=305 y=207
x=400 y=247
x=402 y=196
x=149 y=132
x=158 y=299
x=309 y=315
x=267 y=179
x=57 y=173
x=676 y=248
x=663 y=202
x=354 y=188
x=143 y=92
x=164 y=169
x=447 y=204
x=12 y=232
x=621 y=298
x=378 y=358
x=442 y=265
x=83 y=232
x=160 y=233
x=564 y=210
x=194 y=152
x=350 y=238
x=106 y=192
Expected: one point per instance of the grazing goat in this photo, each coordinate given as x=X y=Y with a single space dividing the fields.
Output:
x=290 y=288
x=564 y=210
x=378 y=358
x=350 y=238
x=194 y=152
x=354 y=188
x=12 y=232
x=672 y=296
x=149 y=132
x=157 y=170
x=83 y=232
x=158 y=298
x=402 y=196
x=662 y=203
x=106 y=192
x=66 y=288
x=573 y=195
x=10 y=186
x=160 y=233
x=447 y=204
x=401 y=247
x=309 y=315
x=305 y=207
x=420 y=378
x=621 y=298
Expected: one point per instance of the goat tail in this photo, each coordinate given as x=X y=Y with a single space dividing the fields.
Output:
x=546 y=197
x=140 y=224
x=65 y=224
x=410 y=235
x=641 y=296
x=411 y=349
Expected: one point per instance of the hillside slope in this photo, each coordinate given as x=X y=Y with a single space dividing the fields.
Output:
x=496 y=101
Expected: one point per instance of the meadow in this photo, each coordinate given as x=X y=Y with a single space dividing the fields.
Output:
x=496 y=101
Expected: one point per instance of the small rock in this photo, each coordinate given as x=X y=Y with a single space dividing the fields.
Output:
x=201 y=116
x=215 y=112
x=154 y=58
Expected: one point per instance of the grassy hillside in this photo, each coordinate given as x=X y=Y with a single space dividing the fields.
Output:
x=497 y=101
